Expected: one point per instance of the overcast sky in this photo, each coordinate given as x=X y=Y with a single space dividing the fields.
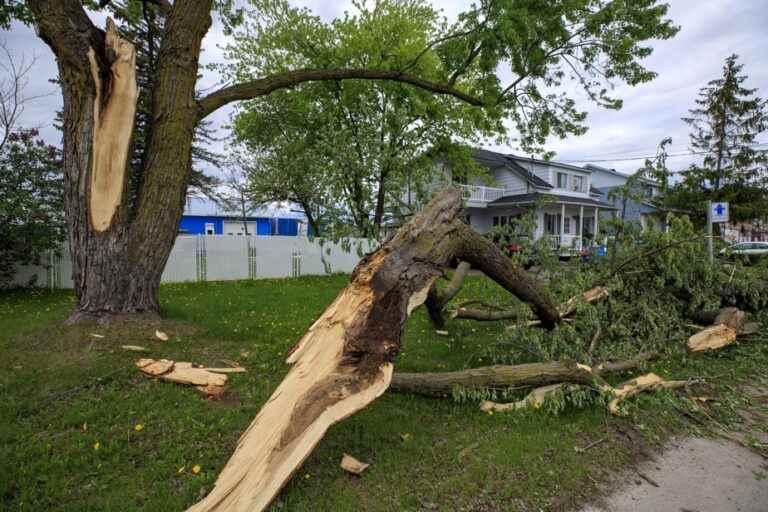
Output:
x=710 y=31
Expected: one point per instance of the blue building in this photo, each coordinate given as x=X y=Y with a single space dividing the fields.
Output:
x=204 y=217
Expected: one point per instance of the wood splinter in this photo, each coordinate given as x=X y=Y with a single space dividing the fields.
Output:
x=114 y=110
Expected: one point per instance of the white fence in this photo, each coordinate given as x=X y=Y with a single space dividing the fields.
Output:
x=228 y=258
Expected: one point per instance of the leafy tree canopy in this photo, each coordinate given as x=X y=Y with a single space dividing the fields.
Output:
x=31 y=201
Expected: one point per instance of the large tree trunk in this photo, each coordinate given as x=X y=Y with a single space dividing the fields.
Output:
x=345 y=360
x=119 y=248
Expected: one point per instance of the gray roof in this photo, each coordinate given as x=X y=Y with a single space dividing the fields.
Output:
x=535 y=196
x=493 y=159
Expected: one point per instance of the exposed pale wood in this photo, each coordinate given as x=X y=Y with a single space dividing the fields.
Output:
x=114 y=111
x=134 y=348
x=352 y=465
x=236 y=369
x=161 y=336
x=194 y=376
x=155 y=368
x=712 y=338
x=591 y=295
x=180 y=372
x=534 y=399
x=647 y=382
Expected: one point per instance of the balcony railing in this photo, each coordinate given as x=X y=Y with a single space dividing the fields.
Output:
x=483 y=194
x=568 y=242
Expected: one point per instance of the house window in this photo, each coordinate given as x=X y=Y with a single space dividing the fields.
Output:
x=562 y=180
x=567 y=226
x=495 y=220
x=578 y=183
x=209 y=230
x=649 y=191
x=503 y=220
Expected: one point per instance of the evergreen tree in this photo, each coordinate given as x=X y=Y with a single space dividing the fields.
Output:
x=725 y=125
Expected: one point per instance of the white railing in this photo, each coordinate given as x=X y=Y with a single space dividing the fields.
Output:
x=567 y=242
x=483 y=194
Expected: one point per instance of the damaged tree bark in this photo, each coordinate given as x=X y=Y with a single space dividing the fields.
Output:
x=345 y=360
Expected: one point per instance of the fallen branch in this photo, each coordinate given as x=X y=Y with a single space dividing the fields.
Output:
x=494 y=313
x=538 y=396
x=507 y=376
x=648 y=382
x=437 y=299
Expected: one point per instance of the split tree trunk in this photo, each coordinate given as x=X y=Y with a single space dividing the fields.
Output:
x=119 y=245
x=345 y=360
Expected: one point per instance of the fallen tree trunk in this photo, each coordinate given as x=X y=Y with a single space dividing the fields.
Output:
x=507 y=376
x=344 y=361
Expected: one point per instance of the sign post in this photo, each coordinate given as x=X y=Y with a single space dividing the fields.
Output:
x=716 y=212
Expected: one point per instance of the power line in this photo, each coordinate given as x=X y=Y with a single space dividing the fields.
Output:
x=633 y=158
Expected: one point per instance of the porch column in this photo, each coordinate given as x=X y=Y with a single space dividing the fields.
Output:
x=597 y=228
x=562 y=223
x=581 y=226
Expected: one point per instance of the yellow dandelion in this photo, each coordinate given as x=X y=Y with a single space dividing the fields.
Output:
x=196 y=469
x=138 y=427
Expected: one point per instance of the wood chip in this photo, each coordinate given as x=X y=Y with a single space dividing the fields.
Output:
x=442 y=333
x=236 y=369
x=97 y=335
x=155 y=368
x=161 y=336
x=352 y=465
x=134 y=348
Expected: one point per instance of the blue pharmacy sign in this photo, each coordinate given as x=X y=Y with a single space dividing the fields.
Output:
x=718 y=212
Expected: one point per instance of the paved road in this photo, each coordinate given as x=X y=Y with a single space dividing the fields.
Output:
x=694 y=475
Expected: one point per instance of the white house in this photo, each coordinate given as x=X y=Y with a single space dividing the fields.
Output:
x=567 y=207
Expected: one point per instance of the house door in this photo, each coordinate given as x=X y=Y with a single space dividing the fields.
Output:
x=552 y=223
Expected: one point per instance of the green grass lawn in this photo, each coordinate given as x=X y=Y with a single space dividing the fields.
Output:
x=81 y=429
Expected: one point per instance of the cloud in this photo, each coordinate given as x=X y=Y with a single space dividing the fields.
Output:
x=710 y=31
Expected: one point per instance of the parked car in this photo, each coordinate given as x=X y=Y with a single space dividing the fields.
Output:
x=748 y=249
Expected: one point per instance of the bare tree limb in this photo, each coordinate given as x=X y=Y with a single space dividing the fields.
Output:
x=267 y=85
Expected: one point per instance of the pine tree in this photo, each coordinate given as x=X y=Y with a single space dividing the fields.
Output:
x=725 y=125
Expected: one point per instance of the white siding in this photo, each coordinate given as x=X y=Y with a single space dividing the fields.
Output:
x=508 y=180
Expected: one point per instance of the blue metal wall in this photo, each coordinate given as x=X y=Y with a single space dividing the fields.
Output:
x=195 y=225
